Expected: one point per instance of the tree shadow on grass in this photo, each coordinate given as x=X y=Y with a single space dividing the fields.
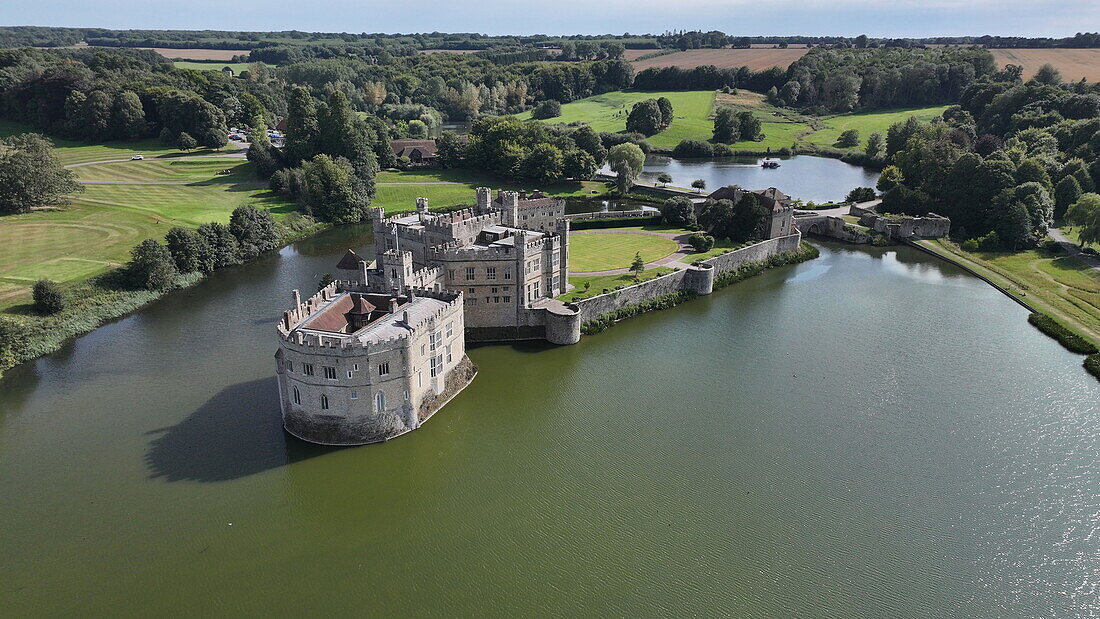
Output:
x=238 y=432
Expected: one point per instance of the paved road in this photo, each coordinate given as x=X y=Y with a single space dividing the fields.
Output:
x=1074 y=250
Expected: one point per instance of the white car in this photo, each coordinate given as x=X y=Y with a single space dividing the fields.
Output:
x=137 y=158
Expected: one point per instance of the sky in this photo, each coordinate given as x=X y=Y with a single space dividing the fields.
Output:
x=884 y=18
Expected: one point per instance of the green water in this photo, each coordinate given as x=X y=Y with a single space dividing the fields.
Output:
x=872 y=433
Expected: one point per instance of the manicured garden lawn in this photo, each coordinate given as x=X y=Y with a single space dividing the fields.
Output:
x=721 y=246
x=97 y=231
x=607 y=112
x=205 y=169
x=602 y=252
x=867 y=123
x=458 y=186
x=598 y=283
x=1060 y=285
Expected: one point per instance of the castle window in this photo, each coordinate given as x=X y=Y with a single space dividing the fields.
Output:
x=349 y=373
x=355 y=366
x=419 y=379
x=496 y=299
x=383 y=369
x=289 y=365
x=507 y=273
x=297 y=396
x=406 y=395
x=330 y=373
x=380 y=401
x=307 y=369
x=472 y=290
x=450 y=329
x=434 y=340
x=494 y=290
x=436 y=366
x=469 y=272
x=354 y=394
x=324 y=402
x=393 y=273
x=448 y=353
x=507 y=299
x=451 y=274
x=490 y=272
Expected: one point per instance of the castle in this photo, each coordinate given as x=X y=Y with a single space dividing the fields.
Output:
x=376 y=352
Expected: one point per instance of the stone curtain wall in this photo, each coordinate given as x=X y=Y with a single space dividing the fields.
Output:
x=673 y=282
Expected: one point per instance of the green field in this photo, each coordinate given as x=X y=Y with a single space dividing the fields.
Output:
x=867 y=123
x=694 y=112
x=598 y=283
x=445 y=188
x=97 y=231
x=607 y=112
x=603 y=252
x=71 y=152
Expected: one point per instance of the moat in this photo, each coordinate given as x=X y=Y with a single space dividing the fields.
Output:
x=870 y=433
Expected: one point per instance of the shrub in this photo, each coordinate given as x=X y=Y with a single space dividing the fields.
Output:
x=48 y=298
x=614 y=222
x=860 y=194
x=678 y=211
x=970 y=245
x=693 y=148
x=151 y=266
x=848 y=139
x=701 y=242
x=1092 y=364
x=1070 y=340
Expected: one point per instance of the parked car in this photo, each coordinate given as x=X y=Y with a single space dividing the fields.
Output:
x=137 y=158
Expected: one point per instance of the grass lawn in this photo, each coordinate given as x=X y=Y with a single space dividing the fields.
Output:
x=607 y=112
x=450 y=187
x=71 y=152
x=1059 y=285
x=867 y=123
x=97 y=231
x=205 y=169
x=599 y=283
x=721 y=246
x=602 y=252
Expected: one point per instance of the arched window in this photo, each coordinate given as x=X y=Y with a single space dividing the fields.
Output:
x=324 y=402
x=380 y=401
x=297 y=396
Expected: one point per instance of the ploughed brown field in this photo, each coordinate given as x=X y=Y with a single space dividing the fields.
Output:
x=1073 y=63
x=755 y=59
x=198 y=54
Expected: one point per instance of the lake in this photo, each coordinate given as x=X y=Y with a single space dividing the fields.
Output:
x=817 y=179
x=872 y=433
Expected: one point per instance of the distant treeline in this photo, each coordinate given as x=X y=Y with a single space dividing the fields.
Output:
x=42 y=36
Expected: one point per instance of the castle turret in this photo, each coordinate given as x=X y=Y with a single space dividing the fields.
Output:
x=484 y=200
x=422 y=207
x=509 y=203
x=396 y=269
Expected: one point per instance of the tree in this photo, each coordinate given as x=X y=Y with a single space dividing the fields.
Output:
x=638 y=265
x=329 y=191
x=589 y=141
x=664 y=178
x=302 y=127
x=788 y=95
x=578 y=164
x=151 y=266
x=450 y=150
x=128 y=116
x=645 y=118
x=749 y=125
x=190 y=251
x=727 y=126
x=224 y=249
x=678 y=211
x=627 y=161
x=1013 y=227
x=717 y=218
x=185 y=142
x=31 y=175
x=1047 y=74
x=543 y=163
x=876 y=146
x=549 y=108
x=860 y=194
x=699 y=184
x=667 y=114
x=1031 y=170
x=48 y=298
x=701 y=242
x=266 y=158
x=1086 y=213
x=417 y=129
x=891 y=177
x=748 y=220
x=848 y=139
x=1066 y=193
x=166 y=137
x=341 y=133
x=255 y=230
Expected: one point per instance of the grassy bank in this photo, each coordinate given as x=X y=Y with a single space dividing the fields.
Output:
x=398 y=191
x=1057 y=285
x=599 y=284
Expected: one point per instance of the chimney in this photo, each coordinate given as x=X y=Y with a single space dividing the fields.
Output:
x=362 y=272
x=422 y=205
x=405 y=318
x=393 y=305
